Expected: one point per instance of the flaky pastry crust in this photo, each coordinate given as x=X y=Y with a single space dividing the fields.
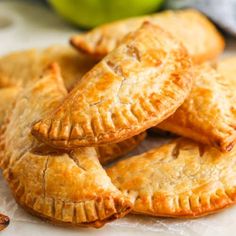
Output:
x=208 y=115
x=179 y=179
x=110 y=152
x=192 y=28
x=63 y=187
x=136 y=86
x=19 y=68
x=107 y=153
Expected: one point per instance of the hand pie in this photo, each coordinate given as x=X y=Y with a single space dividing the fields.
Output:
x=136 y=86
x=7 y=97
x=63 y=187
x=4 y=222
x=179 y=179
x=110 y=152
x=192 y=28
x=208 y=115
x=16 y=68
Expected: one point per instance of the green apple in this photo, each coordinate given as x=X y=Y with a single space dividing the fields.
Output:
x=90 y=13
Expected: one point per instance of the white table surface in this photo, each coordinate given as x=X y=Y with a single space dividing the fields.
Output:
x=35 y=26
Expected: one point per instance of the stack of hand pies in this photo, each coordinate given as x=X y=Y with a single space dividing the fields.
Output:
x=65 y=112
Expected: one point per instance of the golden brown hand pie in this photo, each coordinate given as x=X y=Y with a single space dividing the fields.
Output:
x=179 y=179
x=4 y=221
x=21 y=67
x=7 y=97
x=110 y=152
x=208 y=115
x=192 y=28
x=136 y=86
x=63 y=187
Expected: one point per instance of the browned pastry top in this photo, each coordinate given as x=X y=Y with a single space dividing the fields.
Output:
x=208 y=115
x=192 y=28
x=136 y=86
x=179 y=179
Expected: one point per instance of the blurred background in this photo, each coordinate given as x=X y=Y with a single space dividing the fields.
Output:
x=32 y=23
x=90 y=13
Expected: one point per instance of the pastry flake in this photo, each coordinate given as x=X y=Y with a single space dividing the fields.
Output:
x=110 y=152
x=63 y=187
x=4 y=221
x=179 y=179
x=21 y=67
x=192 y=28
x=208 y=115
x=136 y=86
